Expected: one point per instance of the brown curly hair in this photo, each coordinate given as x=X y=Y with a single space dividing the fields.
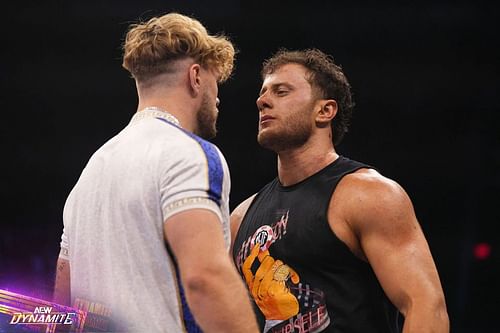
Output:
x=326 y=76
x=151 y=47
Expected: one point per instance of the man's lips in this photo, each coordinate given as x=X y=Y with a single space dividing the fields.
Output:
x=265 y=119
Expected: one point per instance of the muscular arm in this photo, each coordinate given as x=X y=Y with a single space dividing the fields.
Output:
x=62 y=290
x=214 y=291
x=382 y=218
x=237 y=216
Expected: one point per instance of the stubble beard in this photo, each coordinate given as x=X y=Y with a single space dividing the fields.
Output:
x=206 y=118
x=294 y=134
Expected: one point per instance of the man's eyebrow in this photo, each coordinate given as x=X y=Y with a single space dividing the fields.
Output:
x=275 y=86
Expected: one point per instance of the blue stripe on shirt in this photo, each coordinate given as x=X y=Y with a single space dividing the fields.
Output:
x=215 y=170
x=189 y=321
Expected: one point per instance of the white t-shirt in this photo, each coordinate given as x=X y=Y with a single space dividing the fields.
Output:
x=113 y=219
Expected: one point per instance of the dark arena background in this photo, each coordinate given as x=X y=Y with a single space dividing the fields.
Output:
x=425 y=77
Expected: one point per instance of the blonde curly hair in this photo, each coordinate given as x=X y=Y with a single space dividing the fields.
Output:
x=151 y=47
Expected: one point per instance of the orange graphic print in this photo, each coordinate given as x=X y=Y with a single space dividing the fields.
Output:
x=269 y=285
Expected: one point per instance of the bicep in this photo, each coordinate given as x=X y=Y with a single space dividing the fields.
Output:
x=196 y=238
x=234 y=227
x=396 y=248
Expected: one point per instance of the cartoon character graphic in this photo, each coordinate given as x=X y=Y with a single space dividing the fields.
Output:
x=269 y=285
x=287 y=303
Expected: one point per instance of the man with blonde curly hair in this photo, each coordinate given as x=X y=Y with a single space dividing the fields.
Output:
x=146 y=227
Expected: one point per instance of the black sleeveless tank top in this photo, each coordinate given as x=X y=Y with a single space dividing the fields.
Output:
x=305 y=279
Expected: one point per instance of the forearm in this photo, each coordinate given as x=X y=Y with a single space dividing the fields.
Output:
x=62 y=287
x=220 y=302
x=427 y=318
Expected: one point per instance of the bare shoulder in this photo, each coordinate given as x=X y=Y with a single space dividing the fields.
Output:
x=241 y=209
x=367 y=199
x=237 y=216
x=368 y=184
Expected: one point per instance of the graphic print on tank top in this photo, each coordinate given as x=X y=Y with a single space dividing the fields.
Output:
x=302 y=277
x=288 y=304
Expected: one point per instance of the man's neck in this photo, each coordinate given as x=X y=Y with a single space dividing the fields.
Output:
x=300 y=163
x=174 y=106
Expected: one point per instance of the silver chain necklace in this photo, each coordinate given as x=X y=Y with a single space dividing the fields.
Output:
x=160 y=113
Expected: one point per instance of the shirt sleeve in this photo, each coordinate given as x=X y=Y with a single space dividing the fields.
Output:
x=194 y=180
x=64 y=252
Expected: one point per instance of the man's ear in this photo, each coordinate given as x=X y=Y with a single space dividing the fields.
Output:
x=194 y=79
x=328 y=111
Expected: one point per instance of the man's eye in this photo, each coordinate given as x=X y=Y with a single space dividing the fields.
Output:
x=281 y=92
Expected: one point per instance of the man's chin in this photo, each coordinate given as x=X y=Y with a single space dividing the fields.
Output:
x=267 y=140
x=206 y=127
x=206 y=133
x=279 y=141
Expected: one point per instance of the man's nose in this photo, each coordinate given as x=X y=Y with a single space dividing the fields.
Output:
x=263 y=102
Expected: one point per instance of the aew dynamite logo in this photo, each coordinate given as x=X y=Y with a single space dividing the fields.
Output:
x=42 y=315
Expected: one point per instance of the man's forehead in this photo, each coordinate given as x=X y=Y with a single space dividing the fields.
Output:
x=292 y=73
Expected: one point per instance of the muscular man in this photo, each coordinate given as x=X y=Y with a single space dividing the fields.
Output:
x=146 y=227
x=330 y=245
